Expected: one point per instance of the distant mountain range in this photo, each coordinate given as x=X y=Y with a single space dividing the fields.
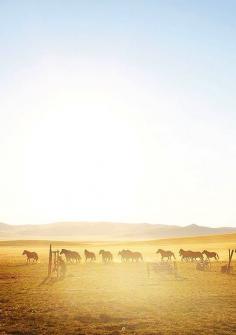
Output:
x=105 y=231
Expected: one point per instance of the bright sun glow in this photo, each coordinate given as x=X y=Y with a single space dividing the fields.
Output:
x=86 y=140
x=76 y=157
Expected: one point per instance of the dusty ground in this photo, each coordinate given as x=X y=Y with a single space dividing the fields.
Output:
x=116 y=298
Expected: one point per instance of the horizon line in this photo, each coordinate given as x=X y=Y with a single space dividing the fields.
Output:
x=116 y=222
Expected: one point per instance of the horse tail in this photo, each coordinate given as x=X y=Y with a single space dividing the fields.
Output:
x=217 y=256
x=36 y=257
x=173 y=255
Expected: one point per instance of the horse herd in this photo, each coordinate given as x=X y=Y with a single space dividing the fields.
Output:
x=188 y=255
x=127 y=255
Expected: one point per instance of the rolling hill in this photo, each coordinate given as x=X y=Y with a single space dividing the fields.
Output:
x=105 y=231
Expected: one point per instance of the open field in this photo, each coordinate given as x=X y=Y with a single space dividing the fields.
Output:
x=117 y=298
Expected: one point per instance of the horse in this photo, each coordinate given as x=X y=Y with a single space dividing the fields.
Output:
x=165 y=254
x=126 y=255
x=71 y=255
x=185 y=255
x=136 y=256
x=31 y=255
x=210 y=254
x=76 y=256
x=190 y=255
x=106 y=256
x=66 y=253
x=195 y=255
x=89 y=255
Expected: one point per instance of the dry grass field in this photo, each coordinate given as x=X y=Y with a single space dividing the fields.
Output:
x=117 y=298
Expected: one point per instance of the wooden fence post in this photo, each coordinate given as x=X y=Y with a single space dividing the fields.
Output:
x=57 y=263
x=230 y=258
x=50 y=261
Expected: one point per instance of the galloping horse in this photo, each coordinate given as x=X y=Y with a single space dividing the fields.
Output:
x=190 y=255
x=136 y=256
x=89 y=255
x=106 y=256
x=210 y=254
x=31 y=255
x=126 y=255
x=195 y=255
x=71 y=255
x=76 y=256
x=165 y=254
x=185 y=255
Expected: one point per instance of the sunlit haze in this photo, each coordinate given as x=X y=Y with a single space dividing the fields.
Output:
x=118 y=111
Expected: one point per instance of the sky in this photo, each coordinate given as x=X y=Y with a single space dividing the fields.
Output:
x=118 y=111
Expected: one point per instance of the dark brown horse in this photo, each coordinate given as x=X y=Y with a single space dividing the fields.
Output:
x=165 y=254
x=196 y=255
x=210 y=254
x=189 y=255
x=89 y=255
x=106 y=256
x=185 y=255
x=31 y=255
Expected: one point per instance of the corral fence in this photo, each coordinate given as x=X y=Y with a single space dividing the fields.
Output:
x=53 y=262
x=228 y=268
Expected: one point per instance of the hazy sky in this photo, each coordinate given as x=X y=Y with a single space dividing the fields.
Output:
x=118 y=110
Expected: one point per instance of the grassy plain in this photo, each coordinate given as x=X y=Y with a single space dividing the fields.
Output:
x=117 y=298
